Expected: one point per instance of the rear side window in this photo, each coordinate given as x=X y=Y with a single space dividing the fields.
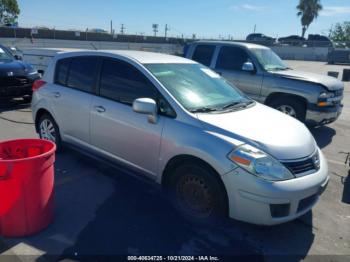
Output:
x=231 y=58
x=203 y=54
x=123 y=83
x=61 y=73
x=82 y=73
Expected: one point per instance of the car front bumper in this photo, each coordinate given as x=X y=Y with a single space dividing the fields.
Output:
x=15 y=91
x=321 y=116
x=261 y=202
x=17 y=86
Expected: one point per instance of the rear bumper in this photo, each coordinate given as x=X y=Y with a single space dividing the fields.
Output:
x=321 y=116
x=269 y=203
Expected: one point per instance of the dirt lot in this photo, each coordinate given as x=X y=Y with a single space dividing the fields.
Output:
x=103 y=211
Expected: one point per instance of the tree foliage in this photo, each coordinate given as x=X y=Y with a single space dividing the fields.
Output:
x=308 y=11
x=340 y=32
x=9 y=11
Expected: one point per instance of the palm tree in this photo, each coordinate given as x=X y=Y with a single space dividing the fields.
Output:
x=308 y=10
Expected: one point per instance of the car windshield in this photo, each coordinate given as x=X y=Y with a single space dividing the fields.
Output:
x=198 y=88
x=268 y=59
x=4 y=55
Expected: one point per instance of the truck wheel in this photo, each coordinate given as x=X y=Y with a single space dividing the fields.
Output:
x=49 y=130
x=290 y=106
x=197 y=194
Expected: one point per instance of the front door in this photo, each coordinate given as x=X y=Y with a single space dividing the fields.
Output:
x=115 y=128
x=229 y=64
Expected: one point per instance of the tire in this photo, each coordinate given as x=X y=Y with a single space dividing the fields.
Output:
x=197 y=194
x=284 y=104
x=47 y=124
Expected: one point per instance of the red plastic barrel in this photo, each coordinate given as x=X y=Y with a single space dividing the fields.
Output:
x=26 y=186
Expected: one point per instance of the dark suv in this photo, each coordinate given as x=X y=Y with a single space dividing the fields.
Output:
x=16 y=77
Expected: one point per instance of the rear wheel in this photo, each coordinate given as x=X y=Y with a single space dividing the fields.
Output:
x=290 y=106
x=198 y=194
x=48 y=130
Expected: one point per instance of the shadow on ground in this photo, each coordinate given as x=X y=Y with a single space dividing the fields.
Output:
x=13 y=104
x=323 y=135
x=346 y=190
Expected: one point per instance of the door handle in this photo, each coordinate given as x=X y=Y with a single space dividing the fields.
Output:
x=100 y=109
x=56 y=94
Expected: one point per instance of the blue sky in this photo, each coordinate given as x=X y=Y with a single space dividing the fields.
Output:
x=206 y=18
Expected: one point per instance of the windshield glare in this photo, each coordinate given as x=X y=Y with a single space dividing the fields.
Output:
x=268 y=59
x=196 y=86
x=4 y=55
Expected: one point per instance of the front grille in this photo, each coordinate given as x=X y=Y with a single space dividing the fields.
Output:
x=309 y=164
x=13 y=81
x=307 y=202
x=338 y=92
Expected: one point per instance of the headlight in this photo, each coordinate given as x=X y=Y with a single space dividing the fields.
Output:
x=324 y=99
x=31 y=70
x=259 y=163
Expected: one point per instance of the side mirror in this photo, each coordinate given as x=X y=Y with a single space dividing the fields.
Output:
x=146 y=106
x=248 y=67
x=18 y=57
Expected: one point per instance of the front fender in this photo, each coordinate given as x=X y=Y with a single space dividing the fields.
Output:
x=180 y=138
x=306 y=90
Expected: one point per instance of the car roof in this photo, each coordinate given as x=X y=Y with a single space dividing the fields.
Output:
x=142 y=57
x=233 y=43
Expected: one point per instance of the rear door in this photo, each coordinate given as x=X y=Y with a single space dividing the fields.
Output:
x=229 y=64
x=116 y=129
x=204 y=54
x=72 y=94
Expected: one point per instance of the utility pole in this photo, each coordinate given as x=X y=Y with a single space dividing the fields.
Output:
x=122 y=29
x=155 y=29
x=111 y=27
x=166 y=30
x=254 y=28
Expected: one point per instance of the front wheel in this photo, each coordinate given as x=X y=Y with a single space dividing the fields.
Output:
x=198 y=194
x=290 y=106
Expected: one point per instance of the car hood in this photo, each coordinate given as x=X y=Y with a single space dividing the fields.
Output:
x=14 y=66
x=280 y=135
x=330 y=83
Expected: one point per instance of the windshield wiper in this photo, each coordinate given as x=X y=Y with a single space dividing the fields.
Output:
x=203 y=110
x=278 y=68
x=238 y=104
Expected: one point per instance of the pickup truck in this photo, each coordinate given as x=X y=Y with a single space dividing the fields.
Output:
x=261 y=74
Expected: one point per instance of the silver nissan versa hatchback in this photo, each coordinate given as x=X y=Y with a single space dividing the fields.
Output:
x=218 y=152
